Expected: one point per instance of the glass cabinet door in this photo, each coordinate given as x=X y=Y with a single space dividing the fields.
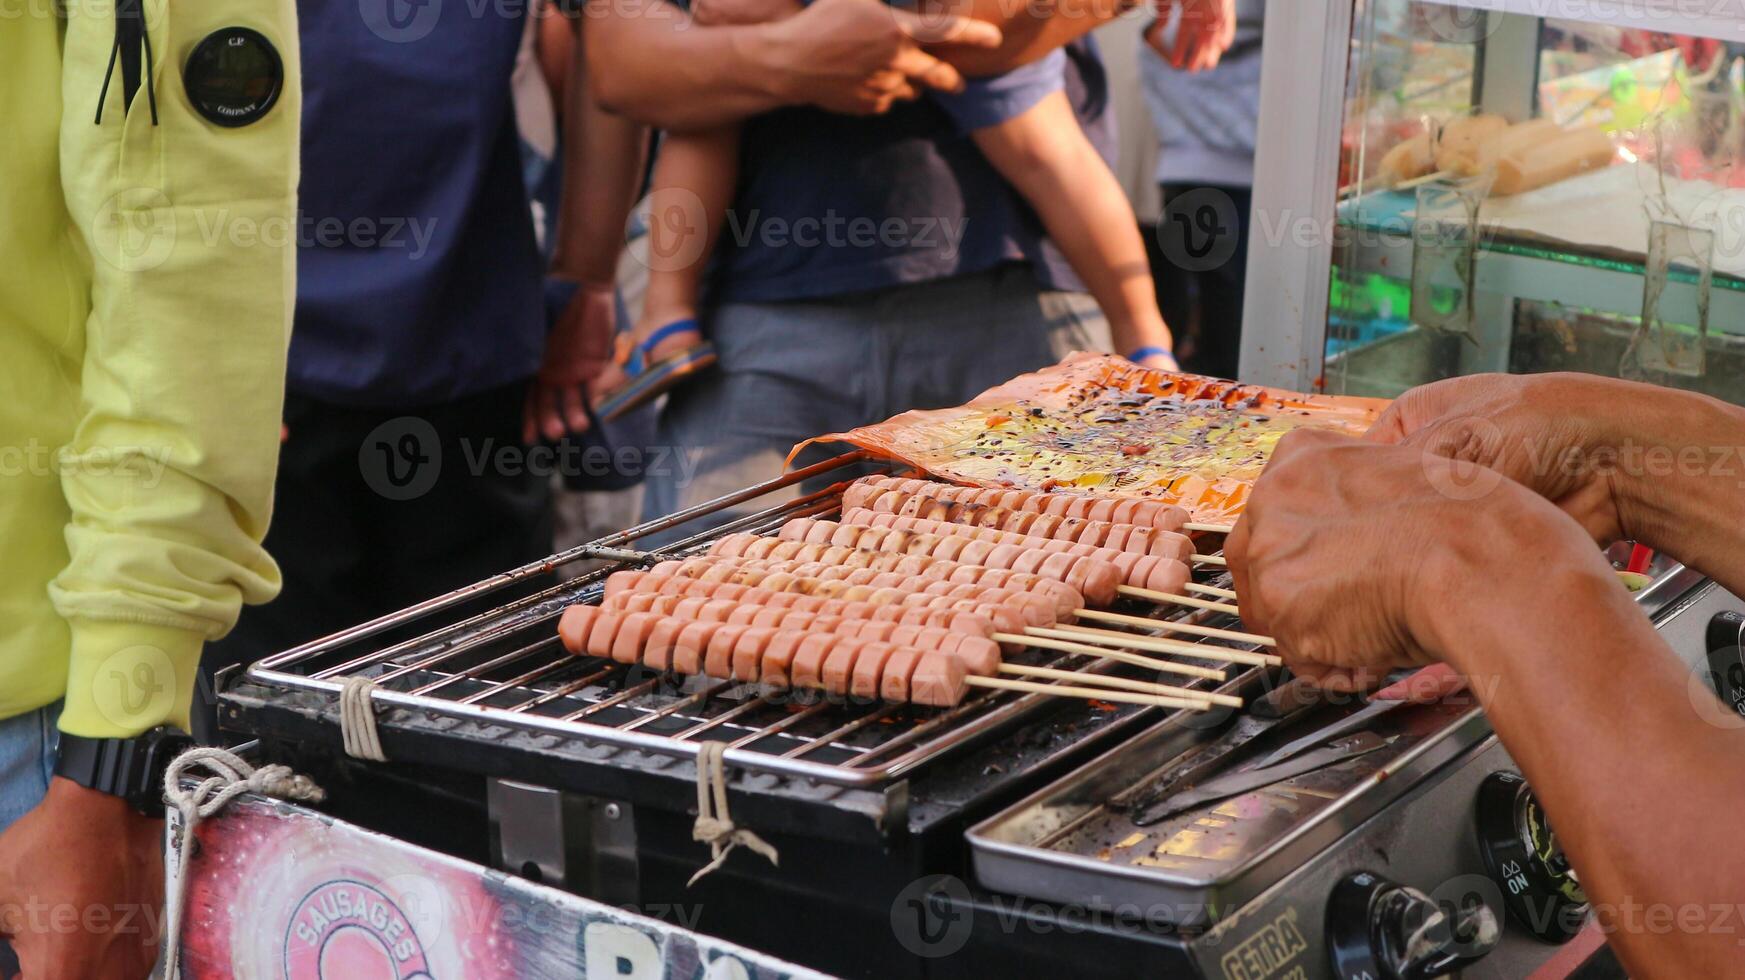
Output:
x=1528 y=194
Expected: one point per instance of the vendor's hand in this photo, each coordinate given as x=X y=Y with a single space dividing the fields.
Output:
x=1359 y=561
x=722 y=13
x=81 y=886
x=1426 y=686
x=578 y=348
x=1205 y=31
x=1552 y=433
x=861 y=56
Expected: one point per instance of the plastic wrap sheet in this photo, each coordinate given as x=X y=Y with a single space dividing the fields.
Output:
x=1098 y=424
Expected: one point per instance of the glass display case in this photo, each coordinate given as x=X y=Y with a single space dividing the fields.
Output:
x=1499 y=185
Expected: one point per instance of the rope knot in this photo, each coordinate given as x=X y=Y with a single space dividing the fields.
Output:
x=714 y=825
x=230 y=777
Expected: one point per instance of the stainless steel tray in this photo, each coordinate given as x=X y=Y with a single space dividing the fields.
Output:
x=1065 y=843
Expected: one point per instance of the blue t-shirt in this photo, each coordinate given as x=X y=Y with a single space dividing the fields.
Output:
x=418 y=278
x=829 y=204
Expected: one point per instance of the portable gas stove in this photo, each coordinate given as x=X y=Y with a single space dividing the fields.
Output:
x=585 y=771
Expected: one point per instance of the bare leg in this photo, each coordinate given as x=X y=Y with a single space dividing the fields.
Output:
x=1045 y=155
x=693 y=188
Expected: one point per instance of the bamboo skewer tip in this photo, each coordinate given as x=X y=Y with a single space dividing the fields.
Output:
x=1087 y=693
x=1179 y=600
x=1122 y=683
x=1064 y=642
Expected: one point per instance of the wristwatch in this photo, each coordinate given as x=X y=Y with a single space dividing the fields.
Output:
x=131 y=768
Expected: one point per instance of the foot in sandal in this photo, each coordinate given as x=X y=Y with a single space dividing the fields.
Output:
x=650 y=362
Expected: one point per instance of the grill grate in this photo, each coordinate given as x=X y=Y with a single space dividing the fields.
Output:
x=506 y=666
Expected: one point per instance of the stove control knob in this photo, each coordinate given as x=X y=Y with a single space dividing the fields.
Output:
x=1381 y=930
x=1522 y=854
x=1726 y=650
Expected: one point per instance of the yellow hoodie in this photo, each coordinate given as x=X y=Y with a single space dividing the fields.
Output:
x=146 y=283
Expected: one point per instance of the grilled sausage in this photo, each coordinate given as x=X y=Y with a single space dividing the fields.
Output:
x=979 y=653
x=632 y=637
x=938 y=681
x=858 y=565
x=864 y=673
x=1094 y=573
x=897 y=611
x=1122 y=537
x=749 y=645
x=658 y=653
x=574 y=624
x=807 y=669
x=889 y=494
x=1009 y=609
x=840 y=662
x=912 y=675
x=1146 y=571
x=623 y=585
x=894 y=679
x=719 y=649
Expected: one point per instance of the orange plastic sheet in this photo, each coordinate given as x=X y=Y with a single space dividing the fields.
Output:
x=1097 y=424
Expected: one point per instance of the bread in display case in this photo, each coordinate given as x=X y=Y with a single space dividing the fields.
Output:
x=1487 y=187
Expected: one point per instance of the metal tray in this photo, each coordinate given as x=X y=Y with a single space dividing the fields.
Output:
x=1065 y=843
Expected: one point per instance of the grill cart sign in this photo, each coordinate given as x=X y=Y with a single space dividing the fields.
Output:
x=280 y=891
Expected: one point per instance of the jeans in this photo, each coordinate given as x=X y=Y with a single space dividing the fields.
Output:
x=27 y=760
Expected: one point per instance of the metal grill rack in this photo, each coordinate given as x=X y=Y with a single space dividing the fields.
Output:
x=505 y=669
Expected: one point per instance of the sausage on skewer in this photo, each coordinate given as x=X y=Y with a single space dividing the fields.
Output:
x=787 y=658
x=980 y=545
x=981 y=655
x=755 y=599
x=846 y=562
x=1036 y=610
x=884 y=493
x=1137 y=538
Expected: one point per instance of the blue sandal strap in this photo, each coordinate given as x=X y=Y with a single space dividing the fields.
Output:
x=639 y=355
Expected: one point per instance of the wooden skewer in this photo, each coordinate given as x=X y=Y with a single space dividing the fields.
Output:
x=1158 y=644
x=1063 y=641
x=1210 y=560
x=1122 y=683
x=1210 y=590
x=1189 y=628
x=1208 y=528
x=1180 y=600
x=1416 y=182
x=1088 y=693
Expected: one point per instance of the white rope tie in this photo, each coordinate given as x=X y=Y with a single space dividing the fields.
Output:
x=231 y=777
x=357 y=720
x=714 y=826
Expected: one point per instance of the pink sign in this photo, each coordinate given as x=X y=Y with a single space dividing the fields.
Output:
x=281 y=891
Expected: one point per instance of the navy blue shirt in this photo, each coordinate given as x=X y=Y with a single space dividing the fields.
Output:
x=830 y=204
x=418 y=278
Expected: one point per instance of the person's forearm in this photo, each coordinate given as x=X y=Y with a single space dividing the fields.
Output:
x=1597 y=712
x=646 y=62
x=1680 y=481
x=603 y=158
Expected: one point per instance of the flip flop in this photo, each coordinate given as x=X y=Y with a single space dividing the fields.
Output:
x=649 y=381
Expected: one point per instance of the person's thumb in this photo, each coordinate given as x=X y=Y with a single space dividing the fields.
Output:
x=947 y=29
